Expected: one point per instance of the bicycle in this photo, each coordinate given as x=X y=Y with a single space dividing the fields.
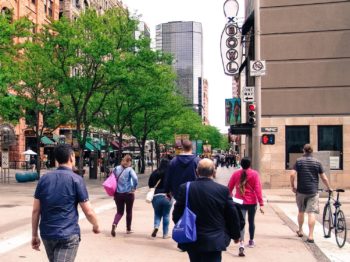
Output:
x=338 y=223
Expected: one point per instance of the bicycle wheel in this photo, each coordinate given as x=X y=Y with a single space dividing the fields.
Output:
x=327 y=220
x=340 y=229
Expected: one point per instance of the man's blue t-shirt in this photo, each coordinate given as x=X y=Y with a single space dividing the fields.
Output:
x=59 y=193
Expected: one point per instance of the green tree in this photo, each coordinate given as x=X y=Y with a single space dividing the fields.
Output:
x=10 y=44
x=154 y=95
x=36 y=95
x=89 y=58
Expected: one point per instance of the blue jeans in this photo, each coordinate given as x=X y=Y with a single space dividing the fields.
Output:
x=161 y=205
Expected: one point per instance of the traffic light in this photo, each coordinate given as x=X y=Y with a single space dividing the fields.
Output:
x=251 y=114
x=268 y=139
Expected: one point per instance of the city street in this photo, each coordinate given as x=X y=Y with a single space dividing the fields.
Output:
x=275 y=237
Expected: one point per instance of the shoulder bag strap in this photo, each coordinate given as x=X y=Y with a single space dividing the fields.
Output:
x=157 y=183
x=117 y=177
x=187 y=190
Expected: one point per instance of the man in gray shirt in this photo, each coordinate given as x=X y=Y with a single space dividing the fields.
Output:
x=308 y=170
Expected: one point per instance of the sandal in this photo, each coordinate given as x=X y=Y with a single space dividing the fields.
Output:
x=310 y=241
x=300 y=233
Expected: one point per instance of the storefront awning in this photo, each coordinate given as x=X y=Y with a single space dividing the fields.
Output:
x=56 y=138
x=115 y=145
x=46 y=141
x=89 y=147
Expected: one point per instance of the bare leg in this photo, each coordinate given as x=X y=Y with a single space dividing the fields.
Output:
x=311 y=222
x=301 y=221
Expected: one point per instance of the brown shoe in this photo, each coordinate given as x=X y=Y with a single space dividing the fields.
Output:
x=113 y=230
x=154 y=233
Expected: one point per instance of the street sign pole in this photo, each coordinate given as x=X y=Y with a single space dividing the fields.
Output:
x=256 y=131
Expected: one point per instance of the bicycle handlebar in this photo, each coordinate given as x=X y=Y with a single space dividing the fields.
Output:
x=338 y=190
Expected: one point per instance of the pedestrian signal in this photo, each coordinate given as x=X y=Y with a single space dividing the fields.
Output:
x=251 y=114
x=268 y=139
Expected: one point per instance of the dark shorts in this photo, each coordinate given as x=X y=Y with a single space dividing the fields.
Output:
x=307 y=203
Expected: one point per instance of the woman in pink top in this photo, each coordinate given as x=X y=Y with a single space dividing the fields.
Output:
x=246 y=181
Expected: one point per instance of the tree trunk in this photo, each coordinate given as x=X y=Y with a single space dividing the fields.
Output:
x=120 y=151
x=157 y=152
x=38 y=164
x=142 y=155
x=38 y=138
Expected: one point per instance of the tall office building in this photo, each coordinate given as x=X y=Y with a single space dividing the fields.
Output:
x=184 y=41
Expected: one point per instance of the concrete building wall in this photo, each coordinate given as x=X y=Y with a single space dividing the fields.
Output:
x=306 y=47
x=305 y=44
x=273 y=161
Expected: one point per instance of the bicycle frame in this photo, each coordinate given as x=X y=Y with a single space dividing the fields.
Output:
x=334 y=220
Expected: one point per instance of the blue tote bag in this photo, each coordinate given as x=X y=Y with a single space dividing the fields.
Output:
x=185 y=229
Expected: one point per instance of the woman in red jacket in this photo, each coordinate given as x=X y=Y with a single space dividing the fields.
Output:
x=246 y=181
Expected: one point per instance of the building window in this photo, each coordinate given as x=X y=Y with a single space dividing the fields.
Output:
x=296 y=138
x=77 y=4
x=50 y=8
x=7 y=13
x=330 y=138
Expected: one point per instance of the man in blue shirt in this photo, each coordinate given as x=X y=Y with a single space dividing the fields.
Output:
x=56 y=207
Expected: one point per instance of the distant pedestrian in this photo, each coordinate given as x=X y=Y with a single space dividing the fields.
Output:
x=247 y=184
x=32 y=163
x=182 y=169
x=55 y=207
x=161 y=202
x=308 y=170
x=218 y=221
x=125 y=194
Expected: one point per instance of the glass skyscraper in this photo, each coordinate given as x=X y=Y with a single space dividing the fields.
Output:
x=184 y=41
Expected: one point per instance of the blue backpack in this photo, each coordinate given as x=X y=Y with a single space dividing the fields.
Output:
x=185 y=230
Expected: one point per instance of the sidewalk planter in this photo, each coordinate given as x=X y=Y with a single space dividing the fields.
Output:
x=26 y=176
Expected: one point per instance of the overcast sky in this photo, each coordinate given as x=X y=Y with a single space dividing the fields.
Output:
x=210 y=14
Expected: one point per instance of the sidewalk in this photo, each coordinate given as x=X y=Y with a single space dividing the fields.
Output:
x=282 y=201
x=274 y=239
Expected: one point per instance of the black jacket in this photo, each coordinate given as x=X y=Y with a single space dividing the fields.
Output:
x=218 y=219
x=153 y=180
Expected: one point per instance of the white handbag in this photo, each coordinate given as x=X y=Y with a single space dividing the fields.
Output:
x=150 y=194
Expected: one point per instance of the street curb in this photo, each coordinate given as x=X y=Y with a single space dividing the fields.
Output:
x=316 y=251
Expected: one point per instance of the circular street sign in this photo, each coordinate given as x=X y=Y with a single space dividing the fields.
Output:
x=231 y=42
x=232 y=67
x=231 y=30
x=258 y=66
x=232 y=54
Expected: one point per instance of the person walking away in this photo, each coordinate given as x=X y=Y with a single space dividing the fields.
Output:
x=308 y=170
x=218 y=220
x=125 y=194
x=182 y=169
x=161 y=202
x=32 y=163
x=247 y=184
x=55 y=208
